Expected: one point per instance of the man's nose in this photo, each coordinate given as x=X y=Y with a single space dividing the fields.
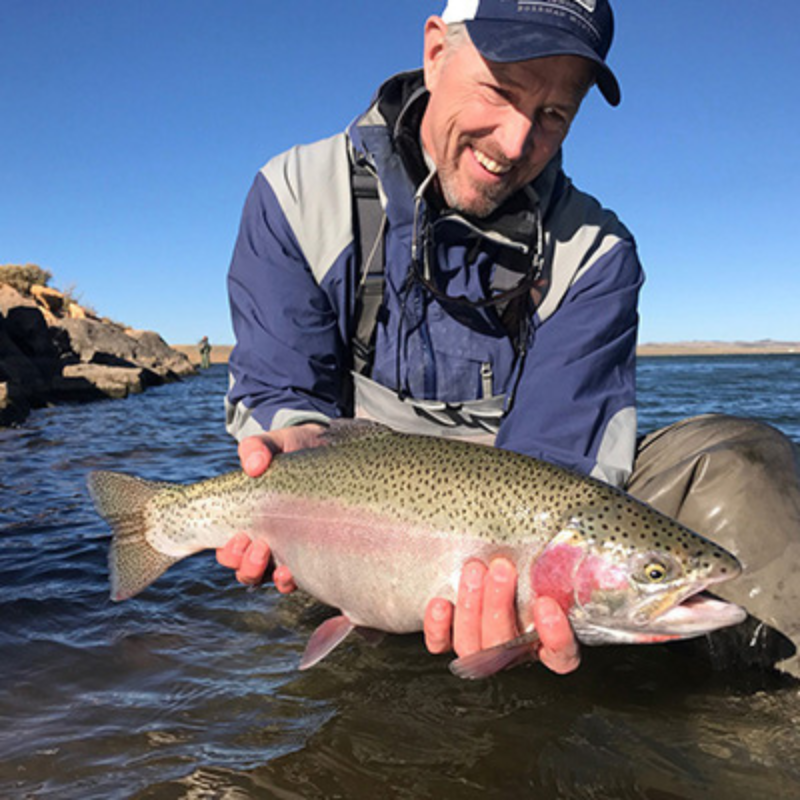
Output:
x=516 y=135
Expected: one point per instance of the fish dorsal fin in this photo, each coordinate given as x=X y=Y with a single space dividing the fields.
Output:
x=326 y=638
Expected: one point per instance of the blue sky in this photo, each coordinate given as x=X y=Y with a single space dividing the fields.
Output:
x=131 y=131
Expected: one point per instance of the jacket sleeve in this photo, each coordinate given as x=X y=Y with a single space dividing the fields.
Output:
x=286 y=365
x=575 y=401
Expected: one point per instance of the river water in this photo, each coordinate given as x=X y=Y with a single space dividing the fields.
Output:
x=191 y=689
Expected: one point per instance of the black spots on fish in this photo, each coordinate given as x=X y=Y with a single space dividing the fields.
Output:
x=720 y=557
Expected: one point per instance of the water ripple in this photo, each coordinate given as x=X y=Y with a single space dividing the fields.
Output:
x=192 y=691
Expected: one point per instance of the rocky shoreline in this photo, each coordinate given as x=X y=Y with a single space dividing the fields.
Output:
x=53 y=350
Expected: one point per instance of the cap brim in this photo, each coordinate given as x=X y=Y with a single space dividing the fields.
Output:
x=499 y=41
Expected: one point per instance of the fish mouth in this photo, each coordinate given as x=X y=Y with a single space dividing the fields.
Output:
x=697 y=615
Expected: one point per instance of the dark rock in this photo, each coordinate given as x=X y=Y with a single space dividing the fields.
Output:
x=82 y=382
x=94 y=342
x=14 y=405
x=153 y=350
x=45 y=358
x=19 y=370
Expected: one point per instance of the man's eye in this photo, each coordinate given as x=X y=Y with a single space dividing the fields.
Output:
x=553 y=119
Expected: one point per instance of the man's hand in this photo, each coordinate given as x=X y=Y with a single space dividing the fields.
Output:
x=485 y=616
x=256 y=452
x=249 y=558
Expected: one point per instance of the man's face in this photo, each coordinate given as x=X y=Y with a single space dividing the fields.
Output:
x=492 y=128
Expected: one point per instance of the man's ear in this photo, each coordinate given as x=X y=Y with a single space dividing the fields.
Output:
x=434 y=50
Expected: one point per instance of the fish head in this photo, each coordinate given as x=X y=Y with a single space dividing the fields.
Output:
x=635 y=580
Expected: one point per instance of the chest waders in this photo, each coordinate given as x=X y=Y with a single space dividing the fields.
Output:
x=474 y=420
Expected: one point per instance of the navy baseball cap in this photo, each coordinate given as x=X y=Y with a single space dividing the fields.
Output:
x=517 y=30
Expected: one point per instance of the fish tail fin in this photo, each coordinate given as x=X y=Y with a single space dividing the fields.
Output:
x=122 y=500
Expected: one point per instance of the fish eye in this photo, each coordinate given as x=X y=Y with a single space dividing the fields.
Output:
x=655 y=572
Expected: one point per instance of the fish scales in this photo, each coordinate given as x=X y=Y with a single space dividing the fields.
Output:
x=457 y=487
x=376 y=523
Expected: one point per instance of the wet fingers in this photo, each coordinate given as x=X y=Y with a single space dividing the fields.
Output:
x=467 y=624
x=499 y=617
x=437 y=626
x=559 y=648
x=283 y=580
x=254 y=563
x=231 y=554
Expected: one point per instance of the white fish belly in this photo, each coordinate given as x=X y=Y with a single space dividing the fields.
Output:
x=379 y=572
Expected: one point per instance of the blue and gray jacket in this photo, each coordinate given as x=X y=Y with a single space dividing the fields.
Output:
x=550 y=373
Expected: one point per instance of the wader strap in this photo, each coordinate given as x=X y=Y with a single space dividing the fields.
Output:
x=370 y=222
x=474 y=420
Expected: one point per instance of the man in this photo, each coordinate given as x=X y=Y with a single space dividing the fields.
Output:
x=204 y=348
x=508 y=300
x=469 y=168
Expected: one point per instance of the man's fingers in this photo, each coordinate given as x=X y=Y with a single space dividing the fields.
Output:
x=437 y=626
x=560 y=650
x=248 y=558
x=283 y=580
x=254 y=563
x=231 y=554
x=469 y=609
x=499 y=618
x=256 y=452
x=254 y=455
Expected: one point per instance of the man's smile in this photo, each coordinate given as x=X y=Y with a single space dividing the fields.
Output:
x=489 y=164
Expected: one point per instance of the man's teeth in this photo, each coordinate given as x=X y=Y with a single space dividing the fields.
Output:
x=490 y=164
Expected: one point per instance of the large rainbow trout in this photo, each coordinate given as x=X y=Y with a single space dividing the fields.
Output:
x=376 y=523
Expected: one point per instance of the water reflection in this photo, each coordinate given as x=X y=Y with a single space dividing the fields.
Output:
x=191 y=690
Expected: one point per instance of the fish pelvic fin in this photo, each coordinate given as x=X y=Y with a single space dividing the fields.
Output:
x=495 y=659
x=326 y=638
x=122 y=500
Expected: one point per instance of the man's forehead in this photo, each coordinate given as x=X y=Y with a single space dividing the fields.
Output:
x=573 y=73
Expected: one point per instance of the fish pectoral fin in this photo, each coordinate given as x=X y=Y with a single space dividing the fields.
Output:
x=325 y=638
x=495 y=659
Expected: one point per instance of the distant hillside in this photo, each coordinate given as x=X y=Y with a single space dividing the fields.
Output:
x=713 y=348
x=220 y=352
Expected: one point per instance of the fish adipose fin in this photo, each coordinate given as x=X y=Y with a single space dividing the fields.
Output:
x=325 y=638
x=122 y=500
x=495 y=659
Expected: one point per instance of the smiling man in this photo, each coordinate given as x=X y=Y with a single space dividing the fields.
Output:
x=491 y=128
x=505 y=298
